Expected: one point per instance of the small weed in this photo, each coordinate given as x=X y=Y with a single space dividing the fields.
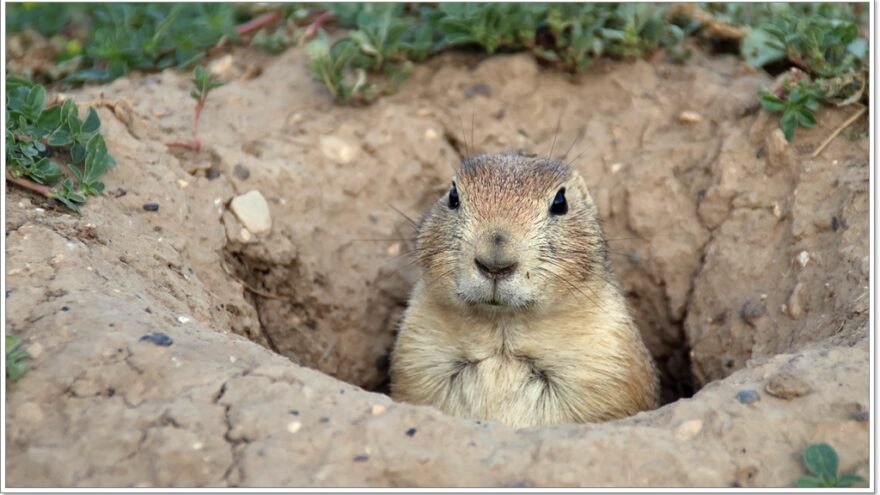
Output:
x=38 y=134
x=203 y=83
x=16 y=357
x=828 y=55
x=821 y=460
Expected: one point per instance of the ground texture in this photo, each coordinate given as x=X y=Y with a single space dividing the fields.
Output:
x=745 y=260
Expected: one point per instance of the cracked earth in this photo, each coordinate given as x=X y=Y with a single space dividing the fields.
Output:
x=745 y=261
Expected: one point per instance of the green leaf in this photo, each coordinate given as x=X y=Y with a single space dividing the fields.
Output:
x=35 y=99
x=788 y=122
x=809 y=482
x=60 y=137
x=758 y=50
x=50 y=119
x=805 y=118
x=16 y=356
x=92 y=122
x=821 y=459
x=772 y=103
x=849 y=480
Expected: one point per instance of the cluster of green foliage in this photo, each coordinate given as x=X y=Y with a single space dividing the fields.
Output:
x=821 y=42
x=16 y=358
x=821 y=460
x=38 y=134
x=383 y=39
x=121 y=37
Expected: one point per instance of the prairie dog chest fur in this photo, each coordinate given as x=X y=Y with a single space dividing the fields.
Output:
x=517 y=317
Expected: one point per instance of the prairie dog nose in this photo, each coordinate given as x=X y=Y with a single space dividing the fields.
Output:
x=495 y=270
x=495 y=257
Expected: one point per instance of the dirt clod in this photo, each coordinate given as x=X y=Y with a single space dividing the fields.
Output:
x=787 y=386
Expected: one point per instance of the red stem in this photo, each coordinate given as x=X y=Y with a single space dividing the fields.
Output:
x=33 y=186
x=196 y=143
x=258 y=23
x=312 y=29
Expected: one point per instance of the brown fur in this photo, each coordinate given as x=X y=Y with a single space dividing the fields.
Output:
x=554 y=343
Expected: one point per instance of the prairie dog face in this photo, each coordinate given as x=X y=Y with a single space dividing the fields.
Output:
x=513 y=233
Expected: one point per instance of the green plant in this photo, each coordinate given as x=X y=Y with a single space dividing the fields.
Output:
x=102 y=41
x=203 y=83
x=821 y=460
x=797 y=101
x=384 y=38
x=491 y=26
x=823 y=44
x=16 y=357
x=38 y=134
x=331 y=66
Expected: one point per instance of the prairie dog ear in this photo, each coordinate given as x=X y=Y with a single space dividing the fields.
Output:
x=580 y=185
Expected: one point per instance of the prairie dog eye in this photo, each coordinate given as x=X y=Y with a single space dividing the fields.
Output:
x=559 y=205
x=453 y=197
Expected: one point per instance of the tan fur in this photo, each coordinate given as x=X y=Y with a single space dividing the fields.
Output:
x=552 y=344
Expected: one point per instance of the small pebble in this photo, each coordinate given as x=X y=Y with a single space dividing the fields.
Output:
x=835 y=224
x=324 y=419
x=752 y=311
x=183 y=319
x=65 y=308
x=862 y=416
x=294 y=426
x=241 y=172
x=377 y=409
x=478 y=89
x=35 y=350
x=747 y=396
x=151 y=206
x=795 y=306
x=411 y=432
x=212 y=173
x=787 y=386
x=294 y=412
x=803 y=258
x=158 y=338
x=120 y=192
x=361 y=458
x=252 y=211
x=689 y=117
x=688 y=429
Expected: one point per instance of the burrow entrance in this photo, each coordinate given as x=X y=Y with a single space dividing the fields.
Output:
x=302 y=328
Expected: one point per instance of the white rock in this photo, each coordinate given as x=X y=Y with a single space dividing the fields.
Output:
x=252 y=211
x=803 y=258
x=688 y=429
x=689 y=117
x=337 y=149
x=294 y=426
x=222 y=67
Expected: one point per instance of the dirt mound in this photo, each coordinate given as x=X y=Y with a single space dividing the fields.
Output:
x=741 y=256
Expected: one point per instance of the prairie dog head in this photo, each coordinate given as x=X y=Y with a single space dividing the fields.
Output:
x=513 y=233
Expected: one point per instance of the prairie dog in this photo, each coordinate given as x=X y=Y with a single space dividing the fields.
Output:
x=517 y=316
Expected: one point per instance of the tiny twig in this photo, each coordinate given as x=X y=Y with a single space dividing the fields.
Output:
x=30 y=185
x=312 y=28
x=837 y=131
x=258 y=23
